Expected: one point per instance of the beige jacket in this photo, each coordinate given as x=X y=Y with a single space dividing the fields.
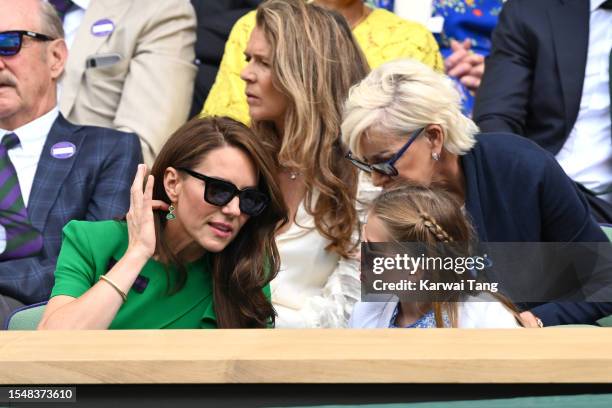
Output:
x=148 y=90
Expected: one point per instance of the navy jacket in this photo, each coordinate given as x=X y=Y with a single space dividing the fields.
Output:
x=517 y=192
x=93 y=184
x=535 y=73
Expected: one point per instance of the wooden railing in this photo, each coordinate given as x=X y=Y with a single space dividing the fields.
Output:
x=552 y=355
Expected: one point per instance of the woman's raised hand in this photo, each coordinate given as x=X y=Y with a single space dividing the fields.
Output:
x=141 y=227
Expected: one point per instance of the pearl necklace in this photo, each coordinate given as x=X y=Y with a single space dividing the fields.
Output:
x=293 y=174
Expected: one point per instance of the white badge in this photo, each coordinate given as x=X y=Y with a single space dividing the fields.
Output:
x=63 y=150
x=436 y=24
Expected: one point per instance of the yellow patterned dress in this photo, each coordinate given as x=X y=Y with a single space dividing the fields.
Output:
x=382 y=35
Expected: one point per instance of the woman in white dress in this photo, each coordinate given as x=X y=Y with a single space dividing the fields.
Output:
x=302 y=60
x=406 y=213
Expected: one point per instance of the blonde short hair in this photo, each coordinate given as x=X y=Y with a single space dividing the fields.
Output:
x=402 y=96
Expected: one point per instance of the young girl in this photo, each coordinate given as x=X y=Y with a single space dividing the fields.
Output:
x=204 y=262
x=418 y=214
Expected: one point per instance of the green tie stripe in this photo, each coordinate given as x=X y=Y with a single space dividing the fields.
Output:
x=22 y=239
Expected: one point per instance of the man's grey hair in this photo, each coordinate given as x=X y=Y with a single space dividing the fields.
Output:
x=51 y=24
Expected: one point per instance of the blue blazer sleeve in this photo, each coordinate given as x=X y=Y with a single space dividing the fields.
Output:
x=111 y=195
x=567 y=218
x=517 y=192
x=502 y=100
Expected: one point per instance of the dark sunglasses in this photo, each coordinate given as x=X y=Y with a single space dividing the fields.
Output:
x=220 y=192
x=11 y=41
x=386 y=168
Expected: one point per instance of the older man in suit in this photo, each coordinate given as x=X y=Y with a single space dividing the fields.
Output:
x=547 y=78
x=51 y=171
x=131 y=66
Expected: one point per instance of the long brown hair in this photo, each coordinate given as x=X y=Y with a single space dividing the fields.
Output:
x=315 y=61
x=251 y=260
x=411 y=213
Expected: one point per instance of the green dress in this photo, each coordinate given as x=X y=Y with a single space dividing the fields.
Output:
x=89 y=249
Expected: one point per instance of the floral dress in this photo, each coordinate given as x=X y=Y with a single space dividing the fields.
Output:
x=427 y=321
x=463 y=19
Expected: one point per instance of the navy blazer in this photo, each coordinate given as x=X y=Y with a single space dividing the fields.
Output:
x=535 y=73
x=93 y=184
x=517 y=192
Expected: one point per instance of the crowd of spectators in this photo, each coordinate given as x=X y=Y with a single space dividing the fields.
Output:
x=202 y=164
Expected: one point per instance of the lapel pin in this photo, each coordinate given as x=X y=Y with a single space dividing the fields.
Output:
x=140 y=284
x=63 y=150
x=102 y=28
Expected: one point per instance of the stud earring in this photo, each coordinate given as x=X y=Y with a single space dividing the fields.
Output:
x=435 y=156
x=170 y=215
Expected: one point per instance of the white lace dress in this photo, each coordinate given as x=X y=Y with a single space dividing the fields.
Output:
x=315 y=287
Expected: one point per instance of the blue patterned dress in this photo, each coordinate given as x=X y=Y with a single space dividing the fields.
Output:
x=427 y=321
x=463 y=19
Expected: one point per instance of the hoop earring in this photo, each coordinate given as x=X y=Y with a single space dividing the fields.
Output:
x=170 y=215
x=435 y=156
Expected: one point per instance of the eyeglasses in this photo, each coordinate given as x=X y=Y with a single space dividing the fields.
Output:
x=220 y=192
x=11 y=41
x=386 y=168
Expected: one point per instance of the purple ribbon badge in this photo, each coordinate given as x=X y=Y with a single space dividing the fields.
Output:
x=63 y=150
x=102 y=28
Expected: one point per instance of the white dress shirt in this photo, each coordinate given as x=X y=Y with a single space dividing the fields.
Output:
x=73 y=19
x=586 y=155
x=25 y=156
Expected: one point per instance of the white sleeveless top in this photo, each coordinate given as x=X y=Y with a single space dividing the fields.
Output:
x=314 y=287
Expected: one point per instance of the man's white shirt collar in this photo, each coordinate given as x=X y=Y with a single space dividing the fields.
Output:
x=32 y=135
x=594 y=4
x=84 y=4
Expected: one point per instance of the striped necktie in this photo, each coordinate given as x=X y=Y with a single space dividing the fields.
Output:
x=22 y=239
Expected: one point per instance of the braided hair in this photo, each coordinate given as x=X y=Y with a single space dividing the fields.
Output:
x=419 y=214
x=430 y=223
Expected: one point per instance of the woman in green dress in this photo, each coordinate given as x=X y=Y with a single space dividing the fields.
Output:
x=204 y=261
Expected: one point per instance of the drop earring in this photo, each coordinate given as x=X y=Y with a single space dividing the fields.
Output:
x=170 y=215
x=435 y=156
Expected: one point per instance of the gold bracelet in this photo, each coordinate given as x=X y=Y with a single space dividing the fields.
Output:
x=110 y=282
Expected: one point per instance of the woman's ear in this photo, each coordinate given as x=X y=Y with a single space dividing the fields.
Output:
x=436 y=136
x=172 y=184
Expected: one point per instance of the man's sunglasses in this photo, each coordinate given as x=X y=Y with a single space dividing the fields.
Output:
x=11 y=41
x=386 y=168
x=220 y=192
